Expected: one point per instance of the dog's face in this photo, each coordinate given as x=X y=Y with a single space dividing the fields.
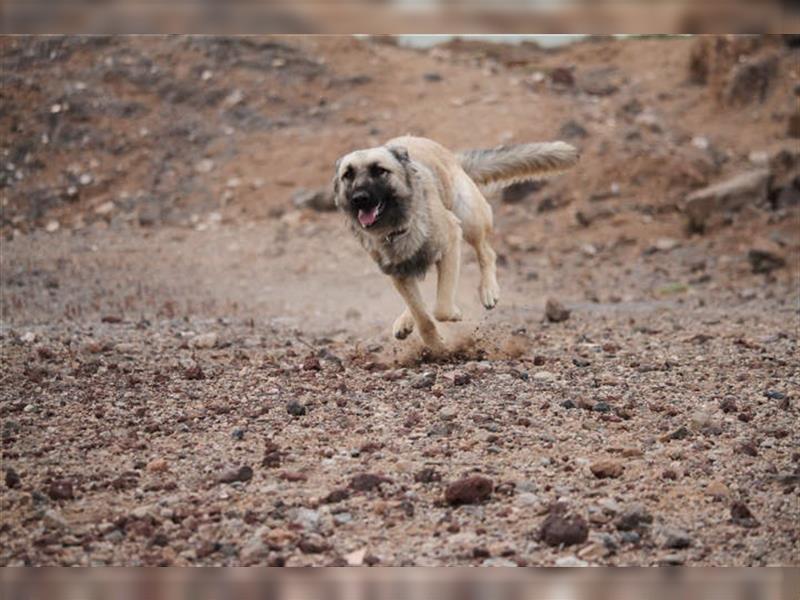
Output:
x=374 y=187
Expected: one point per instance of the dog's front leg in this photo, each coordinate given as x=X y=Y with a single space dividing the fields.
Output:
x=409 y=290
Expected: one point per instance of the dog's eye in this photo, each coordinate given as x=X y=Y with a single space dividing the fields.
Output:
x=348 y=174
x=378 y=171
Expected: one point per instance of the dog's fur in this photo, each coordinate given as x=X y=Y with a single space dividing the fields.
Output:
x=411 y=201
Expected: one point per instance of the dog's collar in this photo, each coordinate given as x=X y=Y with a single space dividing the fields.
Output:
x=392 y=236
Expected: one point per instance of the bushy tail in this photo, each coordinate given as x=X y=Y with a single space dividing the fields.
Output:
x=510 y=164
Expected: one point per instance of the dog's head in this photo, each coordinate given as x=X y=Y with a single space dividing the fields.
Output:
x=374 y=187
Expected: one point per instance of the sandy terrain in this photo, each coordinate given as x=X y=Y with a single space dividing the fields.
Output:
x=198 y=370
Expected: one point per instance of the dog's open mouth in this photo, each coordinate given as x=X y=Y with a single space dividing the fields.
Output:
x=368 y=216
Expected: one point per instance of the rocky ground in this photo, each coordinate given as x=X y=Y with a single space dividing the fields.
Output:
x=197 y=365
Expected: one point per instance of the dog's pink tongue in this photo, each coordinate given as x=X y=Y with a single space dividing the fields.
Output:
x=367 y=217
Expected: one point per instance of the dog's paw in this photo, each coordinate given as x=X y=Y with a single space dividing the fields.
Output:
x=450 y=313
x=403 y=326
x=490 y=295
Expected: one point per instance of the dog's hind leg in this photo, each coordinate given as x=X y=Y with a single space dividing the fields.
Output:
x=476 y=222
x=409 y=290
x=448 y=269
x=489 y=289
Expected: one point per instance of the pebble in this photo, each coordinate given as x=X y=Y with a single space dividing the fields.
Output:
x=461 y=378
x=342 y=518
x=53 y=518
x=605 y=469
x=204 y=341
x=295 y=408
x=307 y=518
x=204 y=166
x=366 y=482
x=469 y=490
x=158 y=465
x=634 y=517
x=243 y=473
x=676 y=539
x=568 y=404
x=498 y=562
x=718 y=490
x=544 y=376
x=555 y=311
x=12 y=478
x=741 y=515
x=560 y=528
x=61 y=489
x=448 y=413
x=423 y=380
x=571 y=561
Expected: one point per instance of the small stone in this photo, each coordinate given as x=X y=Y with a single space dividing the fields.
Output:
x=679 y=434
x=320 y=199
x=676 y=539
x=311 y=363
x=61 y=489
x=775 y=395
x=605 y=469
x=630 y=537
x=366 y=482
x=571 y=561
x=53 y=518
x=204 y=166
x=356 y=558
x=544 y=376
x=601 y=406
x=728 y=405
x=461 y=378
x=342 y=518
x=313 y=544
x=555 y=311
x=580 y=362
x=423 y=381
x=718 y=490
x=204 y=341
x=741 y=515
x=295 y=408
x=243 y=473
x=158 y=465
x=568 y=404
x=448 y=413
x=52 y=226
x=194 y=372
x=764 y=261
x=427 y=475
x=307 y=518
x=573 y=130
x=12 y=478
x=634 y=517
x=560 y=528
x=336 y=496
x=671 y=560
x=469 y=490
x=432 y=77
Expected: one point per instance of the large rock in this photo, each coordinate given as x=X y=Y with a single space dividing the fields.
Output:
x=706 y=206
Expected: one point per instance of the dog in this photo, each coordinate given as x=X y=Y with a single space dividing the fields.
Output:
x=411 y=202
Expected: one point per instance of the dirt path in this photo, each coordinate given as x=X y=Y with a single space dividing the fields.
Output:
x=217 y=384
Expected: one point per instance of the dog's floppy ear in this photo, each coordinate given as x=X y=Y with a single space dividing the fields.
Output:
x=400 y=153
x=336 y=181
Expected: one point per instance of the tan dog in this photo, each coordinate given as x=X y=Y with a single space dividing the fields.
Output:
x=411 y=201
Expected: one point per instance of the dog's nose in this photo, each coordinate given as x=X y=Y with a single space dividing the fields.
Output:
x=359 y=198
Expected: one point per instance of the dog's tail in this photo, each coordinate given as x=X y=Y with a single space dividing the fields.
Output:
x=510 y=164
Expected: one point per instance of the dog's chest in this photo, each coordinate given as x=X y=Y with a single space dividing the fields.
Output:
x=400 y=260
